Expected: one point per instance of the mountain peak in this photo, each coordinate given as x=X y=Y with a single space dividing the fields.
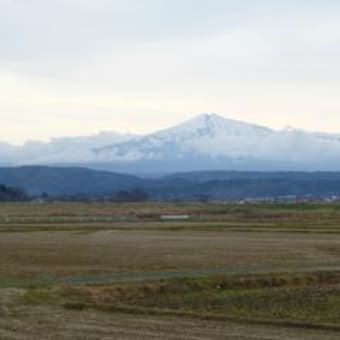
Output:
x=212 y=124
x=211 y=120
x=211 y=116
x=208 y=117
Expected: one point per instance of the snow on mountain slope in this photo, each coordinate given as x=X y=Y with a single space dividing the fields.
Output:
x=212 y=136
x=208 y=134
x=206 y=141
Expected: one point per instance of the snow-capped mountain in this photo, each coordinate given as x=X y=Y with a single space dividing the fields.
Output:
x=207 y=142
x=208 y=134
x=210 y=141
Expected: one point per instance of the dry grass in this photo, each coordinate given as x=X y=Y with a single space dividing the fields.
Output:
x=102 y=243
x=93 y=216
x=36 y=254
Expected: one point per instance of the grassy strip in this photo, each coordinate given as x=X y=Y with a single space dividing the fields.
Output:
x=30 y=283
x=298 y=300
x=200 y=274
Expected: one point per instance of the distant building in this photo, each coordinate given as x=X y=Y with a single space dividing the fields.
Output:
x=174 y=217
x=39 y=200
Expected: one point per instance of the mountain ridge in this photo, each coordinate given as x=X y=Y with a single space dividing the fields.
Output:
x=80 y=183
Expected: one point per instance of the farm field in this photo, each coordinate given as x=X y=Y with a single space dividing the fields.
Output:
x=116 y=271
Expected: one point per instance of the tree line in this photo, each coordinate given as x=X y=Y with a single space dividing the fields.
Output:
x=16 y=194
x=12 y=194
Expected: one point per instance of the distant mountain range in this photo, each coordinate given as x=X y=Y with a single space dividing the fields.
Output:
x=216 y=185
x=207 y=142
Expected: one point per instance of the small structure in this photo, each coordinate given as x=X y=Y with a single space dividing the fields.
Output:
x=174 y=217
x=39 y=200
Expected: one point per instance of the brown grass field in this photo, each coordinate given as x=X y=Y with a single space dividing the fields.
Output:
x=115 y=271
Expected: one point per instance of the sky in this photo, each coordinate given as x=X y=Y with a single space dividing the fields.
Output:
x=77 y=67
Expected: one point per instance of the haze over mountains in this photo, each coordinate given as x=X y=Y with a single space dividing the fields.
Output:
x=68 y=182
x=207 y=142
